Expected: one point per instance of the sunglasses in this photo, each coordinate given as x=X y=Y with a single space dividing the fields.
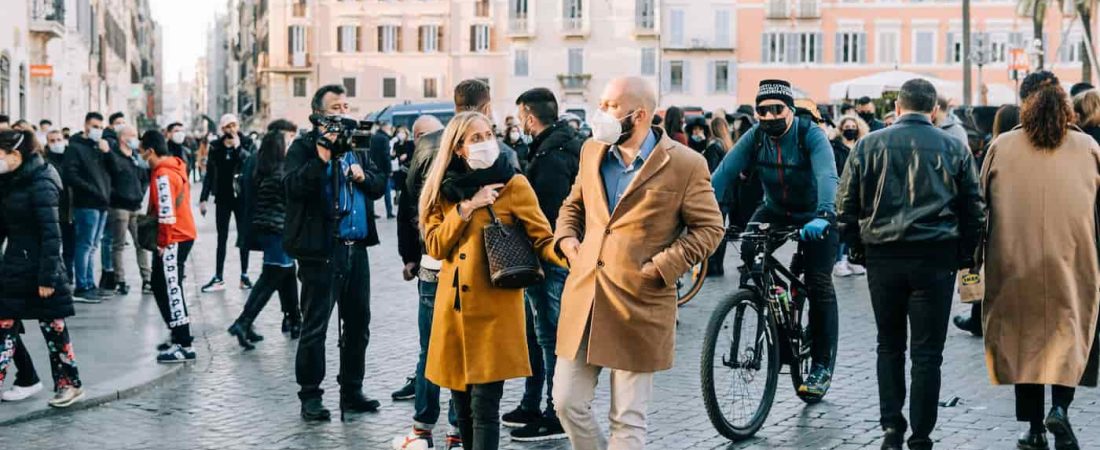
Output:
x=775 y=110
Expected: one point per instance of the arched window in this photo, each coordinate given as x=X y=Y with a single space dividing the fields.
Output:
x=5 y=83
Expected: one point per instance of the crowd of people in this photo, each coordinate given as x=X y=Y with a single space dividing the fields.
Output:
x=613 y=209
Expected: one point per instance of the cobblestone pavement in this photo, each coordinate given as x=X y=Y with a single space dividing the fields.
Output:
x=231 y=399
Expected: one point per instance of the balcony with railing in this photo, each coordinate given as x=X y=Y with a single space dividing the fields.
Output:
x=520 y=27
x=574 y=26
x=809 y=9
x=48 y=18
x=296 y=62
x=574 y=82
x=777 y=9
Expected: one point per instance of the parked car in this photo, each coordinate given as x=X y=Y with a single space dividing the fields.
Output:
x=405 y=114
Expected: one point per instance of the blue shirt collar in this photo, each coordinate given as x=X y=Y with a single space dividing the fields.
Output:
x=648 y=145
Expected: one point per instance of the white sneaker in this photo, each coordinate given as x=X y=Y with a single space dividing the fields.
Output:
x=414 y=441
x=841 y=269
x=17 y=393
x=857 y=269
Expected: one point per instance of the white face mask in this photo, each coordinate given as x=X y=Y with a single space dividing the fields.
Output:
x=482 y=155
x=57 y=147
x=134 y=144
x=606 y=129
x=95 y=134
x=118 y=128
x=178 y=137
x=514 y=136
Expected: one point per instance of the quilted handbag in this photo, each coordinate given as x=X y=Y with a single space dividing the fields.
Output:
x=512 y=260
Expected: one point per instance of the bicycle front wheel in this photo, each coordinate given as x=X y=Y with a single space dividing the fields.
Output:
x=690 y=283
x=740 y=365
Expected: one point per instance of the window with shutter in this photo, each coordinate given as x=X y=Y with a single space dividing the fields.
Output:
x=924 y=50
x=721 y=76
x=676 y=27
x=389 y=87
x=349 y=86
x=676 y=76
x=431 y=88
x=398 y=47
x=850 y=47
x=887 y=47
x=358 y=39
x=649 y=61
x=576 y=61
x=521 y=66
x=722 y=28
x=299 y=86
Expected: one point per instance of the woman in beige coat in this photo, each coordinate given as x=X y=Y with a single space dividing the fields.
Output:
x=1042 y=283
x=479 y=331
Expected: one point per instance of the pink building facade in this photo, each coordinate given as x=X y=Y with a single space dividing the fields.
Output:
x=815 y=43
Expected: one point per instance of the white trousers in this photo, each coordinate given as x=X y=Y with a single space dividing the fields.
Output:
x=574 y=390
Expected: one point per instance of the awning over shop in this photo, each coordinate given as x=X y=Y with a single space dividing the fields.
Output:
x=875 y=85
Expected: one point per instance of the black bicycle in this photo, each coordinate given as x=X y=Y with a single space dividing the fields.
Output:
x=753 y=332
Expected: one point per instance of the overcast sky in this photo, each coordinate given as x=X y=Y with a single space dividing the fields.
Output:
x=185 y=24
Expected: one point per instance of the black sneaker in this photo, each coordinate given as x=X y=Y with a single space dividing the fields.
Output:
x=520 y=418
x=215 y=285
x=407 y=392
x=892 y=439
x=546 y=429
x=817 y=384
x=246 y=284
x=122 y=289
x=313 y=410
x=146 y=288
x=89 y=296
x=176 y=354
x=107 y=280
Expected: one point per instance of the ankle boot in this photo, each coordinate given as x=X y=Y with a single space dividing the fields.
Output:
x=251 y=334
x=1058 y=423
x=239 y=331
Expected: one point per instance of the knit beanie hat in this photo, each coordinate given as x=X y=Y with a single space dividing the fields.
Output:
x=775 y=90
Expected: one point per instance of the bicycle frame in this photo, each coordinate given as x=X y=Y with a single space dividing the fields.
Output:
x=766 y=272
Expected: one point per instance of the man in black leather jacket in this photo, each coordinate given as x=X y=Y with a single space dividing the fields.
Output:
x=330 y=195
x=910 y=196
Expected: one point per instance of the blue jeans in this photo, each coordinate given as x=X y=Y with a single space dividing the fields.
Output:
x=426 y=404
x=543 y=309
x=274 y=253
x=89 y=225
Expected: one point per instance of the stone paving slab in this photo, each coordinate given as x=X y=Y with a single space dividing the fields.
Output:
x=242 y=400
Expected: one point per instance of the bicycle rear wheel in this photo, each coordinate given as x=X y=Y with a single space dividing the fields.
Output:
x=739 y=367
x=802 y=361
x=690 y=283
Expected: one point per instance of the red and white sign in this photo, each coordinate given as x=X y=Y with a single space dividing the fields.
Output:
x=41 y=71
x=1018 y=60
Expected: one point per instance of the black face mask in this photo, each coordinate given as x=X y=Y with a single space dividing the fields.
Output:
x=851 y=135
x=774 y=127
x=867 y=117
x=627 y=128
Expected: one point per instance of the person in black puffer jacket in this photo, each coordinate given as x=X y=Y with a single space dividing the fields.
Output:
x=268 y=219
x=33 y=283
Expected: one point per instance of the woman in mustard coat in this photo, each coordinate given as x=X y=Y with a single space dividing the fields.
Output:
x=478 y=335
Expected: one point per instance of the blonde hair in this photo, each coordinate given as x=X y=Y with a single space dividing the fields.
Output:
x=448 y=144
x=720 y=129
x=862 y=126
x=1087 y=107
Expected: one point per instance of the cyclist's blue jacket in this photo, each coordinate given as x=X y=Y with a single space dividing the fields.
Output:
x=799 y=181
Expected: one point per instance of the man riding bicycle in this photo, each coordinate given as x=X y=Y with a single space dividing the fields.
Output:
x=794 y=161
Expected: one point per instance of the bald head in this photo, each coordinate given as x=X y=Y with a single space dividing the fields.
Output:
x=426 y=124
x=631 y=100
x=632 y=93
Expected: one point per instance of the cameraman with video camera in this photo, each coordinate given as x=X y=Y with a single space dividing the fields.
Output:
x=329 y=238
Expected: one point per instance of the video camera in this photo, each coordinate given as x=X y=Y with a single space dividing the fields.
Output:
x=350 y=133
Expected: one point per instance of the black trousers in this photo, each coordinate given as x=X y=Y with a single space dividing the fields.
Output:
x=1030 y=400
x=223 y=210
x=25 y=374
x=818 y=258
x=167 y=281
x=343 y=282
x=478 y=410
x=911 y=293
x=272 y=279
